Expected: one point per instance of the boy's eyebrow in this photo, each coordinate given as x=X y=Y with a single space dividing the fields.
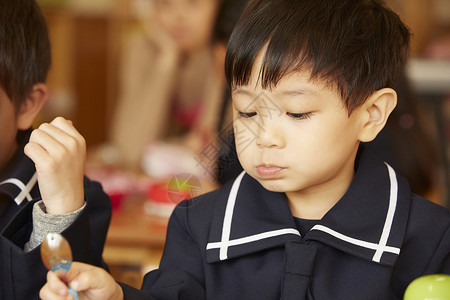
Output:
x=242 y=91
x=294 y=92
x=298 y=92
x=286 y=93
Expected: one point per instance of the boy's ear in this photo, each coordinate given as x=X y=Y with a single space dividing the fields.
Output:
x=32 y=106
x=376 y=111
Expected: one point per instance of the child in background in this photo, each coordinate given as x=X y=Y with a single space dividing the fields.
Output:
x=171 y=87
x=314 y=215
x=46 y=193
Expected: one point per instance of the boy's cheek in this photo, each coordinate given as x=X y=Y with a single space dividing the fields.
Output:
x=244 y=138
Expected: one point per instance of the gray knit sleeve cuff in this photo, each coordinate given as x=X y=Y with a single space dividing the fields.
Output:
x=44 y=223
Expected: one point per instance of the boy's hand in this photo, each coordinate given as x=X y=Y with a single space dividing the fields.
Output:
x=90 y=282
x=59 y=153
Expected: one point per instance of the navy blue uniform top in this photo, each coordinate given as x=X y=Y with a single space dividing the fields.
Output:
x=241 y=242
x=22 y=274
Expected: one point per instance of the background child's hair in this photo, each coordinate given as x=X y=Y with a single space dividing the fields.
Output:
x=227 y=17
x=359 y=46
x=24 y=48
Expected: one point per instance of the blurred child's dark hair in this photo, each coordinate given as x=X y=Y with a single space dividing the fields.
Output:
x=25 y=55
x=228 y=15
x=358 y=46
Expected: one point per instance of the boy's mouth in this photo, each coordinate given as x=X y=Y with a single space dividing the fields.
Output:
x=268 y=171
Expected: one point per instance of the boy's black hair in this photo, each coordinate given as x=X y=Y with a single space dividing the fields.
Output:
x=359 y=46
x=25 y=54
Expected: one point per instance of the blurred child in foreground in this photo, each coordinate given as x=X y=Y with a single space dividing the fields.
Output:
x=314 y=215
x=42 y=187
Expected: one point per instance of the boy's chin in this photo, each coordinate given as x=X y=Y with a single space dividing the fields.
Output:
x=273 y=185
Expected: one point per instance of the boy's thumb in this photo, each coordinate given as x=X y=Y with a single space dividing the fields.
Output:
x=82 y=282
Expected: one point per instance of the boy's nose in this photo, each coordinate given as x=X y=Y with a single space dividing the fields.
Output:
x=269 y=136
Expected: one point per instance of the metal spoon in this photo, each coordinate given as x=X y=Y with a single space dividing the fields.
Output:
x=57 y=255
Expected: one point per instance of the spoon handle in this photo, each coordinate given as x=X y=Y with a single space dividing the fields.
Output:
x=64 y=266
x=74 y=293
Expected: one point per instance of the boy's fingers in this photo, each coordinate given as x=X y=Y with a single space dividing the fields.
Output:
x=60 y=130
x=46 y=294
x=45 y=139
x=61 y=138
x=75 y=276
x=44 y=155
x=56 y=284
x=35 y=152
x=54 y=288
x=66 y=126
x=90 y=278
x=82 y=282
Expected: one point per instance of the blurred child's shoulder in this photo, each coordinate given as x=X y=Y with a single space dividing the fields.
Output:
x=428 y=224
x=427 y=239
x=425 y=211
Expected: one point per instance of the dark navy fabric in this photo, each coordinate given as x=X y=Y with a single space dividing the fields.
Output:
x=304 y=225
x=370 y=245
x=22 y=274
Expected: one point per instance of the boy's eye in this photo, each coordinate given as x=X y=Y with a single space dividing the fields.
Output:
x=247 y=114
x=300 y=116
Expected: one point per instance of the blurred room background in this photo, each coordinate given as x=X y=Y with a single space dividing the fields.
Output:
x=89 y=42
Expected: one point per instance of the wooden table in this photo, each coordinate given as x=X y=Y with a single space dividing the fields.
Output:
x=136 y=237
x=135 y=241
x=131 y=225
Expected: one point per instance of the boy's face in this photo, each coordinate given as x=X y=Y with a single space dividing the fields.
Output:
x=8 y=129
x=296 y=138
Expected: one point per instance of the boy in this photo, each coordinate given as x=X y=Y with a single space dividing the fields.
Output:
x=46 y=193
x=314 y=215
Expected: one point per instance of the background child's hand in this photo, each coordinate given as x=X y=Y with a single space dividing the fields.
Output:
x=166 y=47
x=59 y=153
x=90 y=282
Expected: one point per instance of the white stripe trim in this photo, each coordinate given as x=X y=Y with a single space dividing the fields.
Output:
x=381 y=246
x=226 y=229
x=354 y=241
x=251 y=238
x=390 y=215
x=25 y=189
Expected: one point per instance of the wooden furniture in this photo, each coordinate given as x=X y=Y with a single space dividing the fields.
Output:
x=135 y=241
x=83 y=78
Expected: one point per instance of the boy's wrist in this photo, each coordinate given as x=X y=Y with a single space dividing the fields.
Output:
x=60 y=210
x=63 y=208
x=60 y=204
x=44 y=223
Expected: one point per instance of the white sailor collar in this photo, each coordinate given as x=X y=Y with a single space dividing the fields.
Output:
x=369 y=221
x=19 y=179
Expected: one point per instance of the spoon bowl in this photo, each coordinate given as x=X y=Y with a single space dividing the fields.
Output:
x=57 y=255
